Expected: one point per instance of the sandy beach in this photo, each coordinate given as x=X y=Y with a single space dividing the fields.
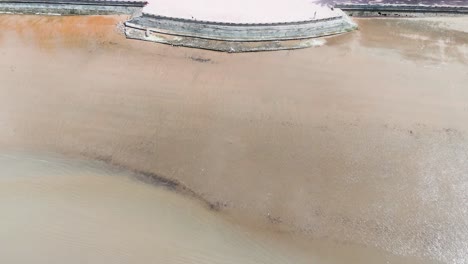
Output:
x=361 y=141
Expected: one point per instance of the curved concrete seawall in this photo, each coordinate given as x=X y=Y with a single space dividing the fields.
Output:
x=212 y=33
x=234 y=37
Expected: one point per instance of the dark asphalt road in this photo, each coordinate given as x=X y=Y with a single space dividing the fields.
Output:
x=399 y=2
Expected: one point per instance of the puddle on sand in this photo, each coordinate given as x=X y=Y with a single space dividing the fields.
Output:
x=61 y=211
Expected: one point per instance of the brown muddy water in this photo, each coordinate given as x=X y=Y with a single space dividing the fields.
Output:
x=57 y=210
x=62 y=211
x=352 y=152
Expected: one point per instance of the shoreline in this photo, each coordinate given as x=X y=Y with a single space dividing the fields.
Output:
x=235 y=36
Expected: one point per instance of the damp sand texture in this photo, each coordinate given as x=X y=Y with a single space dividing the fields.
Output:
x=361 y=141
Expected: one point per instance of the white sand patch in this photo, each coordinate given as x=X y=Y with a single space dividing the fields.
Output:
x=241 y=11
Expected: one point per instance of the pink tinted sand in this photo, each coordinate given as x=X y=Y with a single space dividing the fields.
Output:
x=241 y=11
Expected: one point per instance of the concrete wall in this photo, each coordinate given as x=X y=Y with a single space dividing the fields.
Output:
x=242 y=32
x=221 y=45
x=71 y=7
x=365 y=10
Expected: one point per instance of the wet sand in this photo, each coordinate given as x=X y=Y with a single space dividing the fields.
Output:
x=361 y=141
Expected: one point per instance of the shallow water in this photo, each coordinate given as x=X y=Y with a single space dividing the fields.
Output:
x=60 y=211
x=57 y=210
